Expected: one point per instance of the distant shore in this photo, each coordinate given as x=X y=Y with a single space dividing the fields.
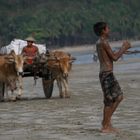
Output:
x=92 y=47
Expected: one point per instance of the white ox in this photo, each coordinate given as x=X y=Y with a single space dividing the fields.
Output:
x=11 y=69
x=60 y=64
x=16 y=45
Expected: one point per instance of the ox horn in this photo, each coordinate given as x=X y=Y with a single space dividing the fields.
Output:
x=12 y=53
x=52 y=59
x=73 y=58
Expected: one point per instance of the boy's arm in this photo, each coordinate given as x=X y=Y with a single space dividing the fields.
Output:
x=116 y=55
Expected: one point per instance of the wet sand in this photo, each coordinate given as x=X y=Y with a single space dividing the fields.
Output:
x=77 y=118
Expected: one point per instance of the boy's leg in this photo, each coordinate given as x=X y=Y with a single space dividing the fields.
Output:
x=106 y=119
x=115 y=105
x=108 y=112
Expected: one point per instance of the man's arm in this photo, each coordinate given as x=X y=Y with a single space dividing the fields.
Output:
x=116 y=55
x=37 y=52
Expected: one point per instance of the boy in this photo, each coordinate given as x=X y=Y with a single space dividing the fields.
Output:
x=110 y=87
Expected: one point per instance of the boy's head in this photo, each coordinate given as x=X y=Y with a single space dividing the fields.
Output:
x=99 y=27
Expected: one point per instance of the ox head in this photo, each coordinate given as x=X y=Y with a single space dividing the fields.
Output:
x=17 y=61
x=58 y=61
x=62 y=64
x=66 y=64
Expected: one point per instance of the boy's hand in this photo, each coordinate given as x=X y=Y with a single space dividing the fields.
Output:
x=126 y=45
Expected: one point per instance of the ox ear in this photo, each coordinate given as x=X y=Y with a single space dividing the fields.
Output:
x=22 y=55
x=25 y=59
x=9 y=59
x=52 y=63
x=72 y=59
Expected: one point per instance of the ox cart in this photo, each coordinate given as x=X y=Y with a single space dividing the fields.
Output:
x=17 y=45
x=39 y=70
x=36 y=70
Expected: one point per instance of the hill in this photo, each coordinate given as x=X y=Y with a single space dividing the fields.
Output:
x=67 y=22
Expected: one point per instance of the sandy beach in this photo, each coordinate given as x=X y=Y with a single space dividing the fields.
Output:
x=77 y=118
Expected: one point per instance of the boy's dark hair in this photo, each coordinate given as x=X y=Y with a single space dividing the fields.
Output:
x=98 y=27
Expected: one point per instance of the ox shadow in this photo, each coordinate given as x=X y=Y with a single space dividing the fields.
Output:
x=30 y=99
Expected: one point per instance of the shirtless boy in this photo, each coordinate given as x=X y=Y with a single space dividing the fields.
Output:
x=110 y=86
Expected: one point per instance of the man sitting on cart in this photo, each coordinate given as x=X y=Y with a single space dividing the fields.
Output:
x=31 y=52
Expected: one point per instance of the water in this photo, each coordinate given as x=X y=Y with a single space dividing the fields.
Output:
x=84 y=58
x=87 y=58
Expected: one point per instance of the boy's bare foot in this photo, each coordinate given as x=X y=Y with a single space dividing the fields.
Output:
x=114 y=129
x=109 y=130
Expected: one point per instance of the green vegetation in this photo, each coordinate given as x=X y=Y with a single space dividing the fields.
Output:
x=67 y=22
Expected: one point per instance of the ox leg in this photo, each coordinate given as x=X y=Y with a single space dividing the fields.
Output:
x=6 y=91
x=66 y=89
x=2 y=91
x=59 y=84
x=12 y=93
x=13 y=98
x=20 y=83
x=7 y=86
x=12 y=87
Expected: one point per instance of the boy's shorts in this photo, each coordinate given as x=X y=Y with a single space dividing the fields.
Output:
x=110 y=87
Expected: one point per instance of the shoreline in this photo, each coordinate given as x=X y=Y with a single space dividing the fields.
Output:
x=92 y=47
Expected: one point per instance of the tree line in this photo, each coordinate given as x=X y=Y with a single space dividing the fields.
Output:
x=67 y=22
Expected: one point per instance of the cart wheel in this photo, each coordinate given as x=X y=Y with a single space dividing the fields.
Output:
x=47 y=87
x=2 y=91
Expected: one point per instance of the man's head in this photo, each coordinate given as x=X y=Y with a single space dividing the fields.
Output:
x=99 y=27
x=30 y=40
